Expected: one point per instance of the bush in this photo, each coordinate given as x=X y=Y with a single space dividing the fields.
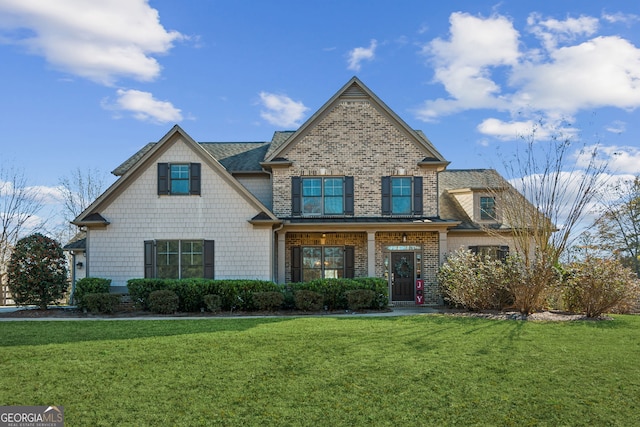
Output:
x=102 y=302
x=468 y=281
x=334 y=291
x=268 y=301
x=163 y=302
x=308 y=300
x=357 y=299
x=531 y=284
x=597 y=286
x=90 y=285
x=212 y=303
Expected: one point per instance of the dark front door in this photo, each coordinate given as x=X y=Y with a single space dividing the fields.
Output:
x=402 y=287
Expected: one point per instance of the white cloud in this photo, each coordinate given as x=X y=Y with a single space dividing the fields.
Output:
x=620 y=159
x=98 y=40
x=569 y=74
x=464 y=62
x=359 y=54
x=280 y=110
x=144 y=107
x=552 y=31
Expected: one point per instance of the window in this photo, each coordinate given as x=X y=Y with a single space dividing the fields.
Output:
x=402 y=195
x=488 y=208
x=178 y=178
x=318 y=262
x=316 y=196
x=492 y=252
x=179 y=259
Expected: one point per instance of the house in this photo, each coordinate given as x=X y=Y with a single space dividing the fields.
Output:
x=354 y=192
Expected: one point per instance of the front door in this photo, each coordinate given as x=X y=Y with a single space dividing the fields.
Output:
x=402 y=268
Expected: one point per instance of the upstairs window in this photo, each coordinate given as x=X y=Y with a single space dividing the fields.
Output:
x=318 y=196
x=402 y=195
x=487 y=208
x=178 y=178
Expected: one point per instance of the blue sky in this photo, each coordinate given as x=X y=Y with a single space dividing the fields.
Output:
x=86 y=84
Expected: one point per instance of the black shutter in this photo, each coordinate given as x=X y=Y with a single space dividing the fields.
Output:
x=296 y=196
x=163 y=178
x=194 y=177
x=503 y=253
x=209 y=259
x=386 y=195
x=296 y=262
x=348 y=195
x=149 y=259
x=417 y=195
x=349 y=262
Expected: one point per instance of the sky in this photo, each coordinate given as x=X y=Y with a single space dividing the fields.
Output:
x=86 y=84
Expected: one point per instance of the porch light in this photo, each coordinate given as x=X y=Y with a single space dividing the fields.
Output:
x=323 y=238
x=404 y=237
x=79 y=265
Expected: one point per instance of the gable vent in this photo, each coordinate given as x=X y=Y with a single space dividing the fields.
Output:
x=354 y=91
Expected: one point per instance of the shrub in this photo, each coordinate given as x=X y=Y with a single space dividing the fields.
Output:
x=90 y=285
x=531 y=284
x=268 y=301
x=357 y=299
x=597 y=286
x=37 y=272
x=212 y=303
x=102 y=302
x=468 y=281
x=140 y=289
x=163 y=302
x=308 y=300
x=334 y=291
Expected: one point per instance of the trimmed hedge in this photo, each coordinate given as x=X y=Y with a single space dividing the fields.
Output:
x=90 y=285
x=357 y=299
x=334 y=291
x=308 y=300
x=103 y=302
x=163 y=301
x=248 y=295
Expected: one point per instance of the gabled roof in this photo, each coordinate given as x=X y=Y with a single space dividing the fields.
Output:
x=472 y=179
x=145 y=158
x=354 y=89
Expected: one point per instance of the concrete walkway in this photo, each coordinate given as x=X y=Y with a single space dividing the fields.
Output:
x=395 y=312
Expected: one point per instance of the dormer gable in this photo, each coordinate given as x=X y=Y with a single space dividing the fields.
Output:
x=354 y=90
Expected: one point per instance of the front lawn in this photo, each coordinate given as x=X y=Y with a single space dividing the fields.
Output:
x=411 y=371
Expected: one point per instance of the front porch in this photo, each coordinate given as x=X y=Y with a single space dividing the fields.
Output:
x=401 y=257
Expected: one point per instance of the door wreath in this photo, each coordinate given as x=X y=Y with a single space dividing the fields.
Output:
x=403 y=269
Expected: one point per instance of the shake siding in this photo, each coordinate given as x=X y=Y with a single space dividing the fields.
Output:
x=258 y=186
x=355 y=139
x=139 y=214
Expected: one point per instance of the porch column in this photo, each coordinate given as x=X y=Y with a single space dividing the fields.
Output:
x=281 y=255
x=371 y=253
x=443 y=246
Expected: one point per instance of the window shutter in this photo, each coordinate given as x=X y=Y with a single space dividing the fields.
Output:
x=149 y=259
x=296 y=262
x=349 y=262
x=209 y=259
x=417 y=195
x=386 y=195
x=163 y=178
x=503 y=253
x=348 y=195
x=194 y=177
x=296 y=196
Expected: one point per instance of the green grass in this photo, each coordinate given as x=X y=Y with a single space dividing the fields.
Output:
x=410 y=371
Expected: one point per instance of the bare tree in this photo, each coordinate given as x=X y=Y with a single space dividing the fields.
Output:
x=542 y=215
x=79 y=189
x=19 y=205
x=618 y=228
